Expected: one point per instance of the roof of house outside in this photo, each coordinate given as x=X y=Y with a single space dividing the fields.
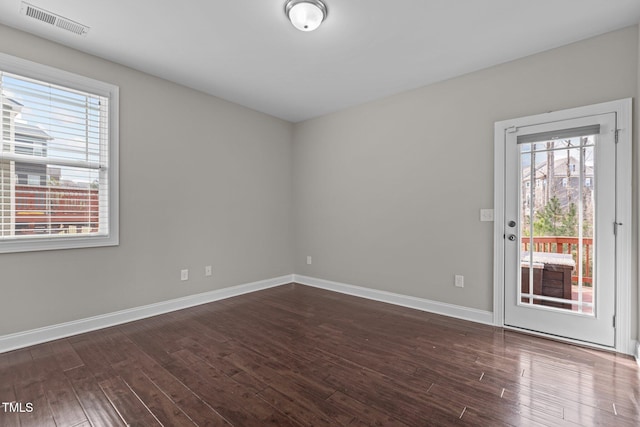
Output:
x=559 y=170
x=31 y=131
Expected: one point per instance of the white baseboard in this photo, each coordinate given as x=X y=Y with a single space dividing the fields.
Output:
x=63 y=330
x=451 y=310
x=637 y=351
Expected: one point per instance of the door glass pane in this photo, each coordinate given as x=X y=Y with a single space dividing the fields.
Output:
x=557 y=224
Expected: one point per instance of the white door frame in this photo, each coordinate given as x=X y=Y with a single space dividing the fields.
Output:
x=623 y=343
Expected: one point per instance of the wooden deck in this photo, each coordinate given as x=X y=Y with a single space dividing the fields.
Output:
x=299 y=356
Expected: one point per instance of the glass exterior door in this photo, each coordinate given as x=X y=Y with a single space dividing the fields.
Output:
x=560 y=213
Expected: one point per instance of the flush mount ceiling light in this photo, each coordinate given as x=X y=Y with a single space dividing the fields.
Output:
x=305 y=15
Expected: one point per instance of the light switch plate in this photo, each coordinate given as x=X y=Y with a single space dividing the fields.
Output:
x=486 y=214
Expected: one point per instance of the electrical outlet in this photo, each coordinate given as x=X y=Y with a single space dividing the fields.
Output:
x=459 y=281
x=308 y=260
x=184 y=274
x=208 y=270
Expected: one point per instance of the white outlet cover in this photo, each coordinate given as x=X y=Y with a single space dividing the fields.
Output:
x=184 y=274
x=208 y=270
x=309 y=260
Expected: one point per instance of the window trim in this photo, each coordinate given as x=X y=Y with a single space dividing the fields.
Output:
x=70 y=80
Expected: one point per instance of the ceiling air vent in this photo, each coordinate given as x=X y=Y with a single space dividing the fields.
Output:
x=53 y=19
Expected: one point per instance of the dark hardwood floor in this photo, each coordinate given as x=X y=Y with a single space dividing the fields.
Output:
x=299 y=356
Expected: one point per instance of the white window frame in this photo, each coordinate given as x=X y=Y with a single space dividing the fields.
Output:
x=22 y=67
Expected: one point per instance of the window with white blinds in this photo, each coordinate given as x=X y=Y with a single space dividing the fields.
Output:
x=58 y=159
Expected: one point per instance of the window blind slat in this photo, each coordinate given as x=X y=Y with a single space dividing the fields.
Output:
x=34 y=160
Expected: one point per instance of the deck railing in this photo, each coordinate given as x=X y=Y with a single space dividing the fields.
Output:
x=566 y=245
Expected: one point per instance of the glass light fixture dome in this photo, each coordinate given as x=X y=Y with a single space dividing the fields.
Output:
x=306 y=15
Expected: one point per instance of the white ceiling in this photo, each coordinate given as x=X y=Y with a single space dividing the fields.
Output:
x=247 y=52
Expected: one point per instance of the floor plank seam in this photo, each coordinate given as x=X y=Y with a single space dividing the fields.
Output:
x=124 y=421
x=141 y=401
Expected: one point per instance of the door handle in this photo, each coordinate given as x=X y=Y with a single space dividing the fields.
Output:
x=511 y=224
x=512 y=237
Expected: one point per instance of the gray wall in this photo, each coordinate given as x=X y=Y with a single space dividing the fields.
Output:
x=202 y=182
x=387 y=194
